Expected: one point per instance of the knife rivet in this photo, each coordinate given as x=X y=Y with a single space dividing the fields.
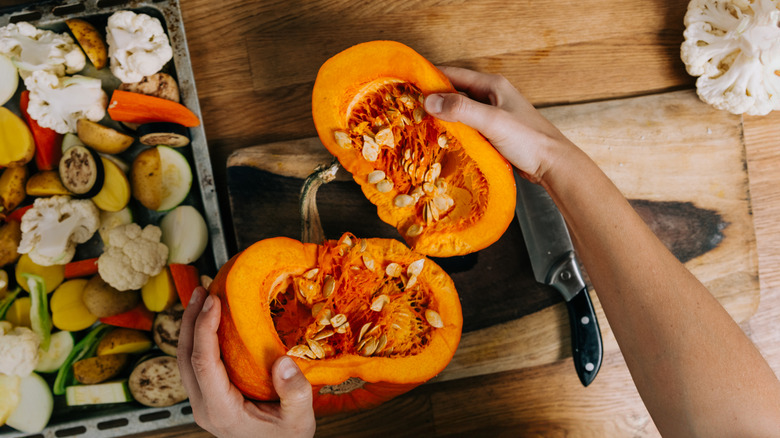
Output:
x=565 y=275
x=585 y=320
x=589 y=366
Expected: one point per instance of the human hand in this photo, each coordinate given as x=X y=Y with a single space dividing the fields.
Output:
x=217 y=405
x=495 y=108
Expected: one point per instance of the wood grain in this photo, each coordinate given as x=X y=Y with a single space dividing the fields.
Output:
x=569 y=67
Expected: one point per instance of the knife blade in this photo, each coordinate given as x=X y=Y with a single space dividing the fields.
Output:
x=554 y=263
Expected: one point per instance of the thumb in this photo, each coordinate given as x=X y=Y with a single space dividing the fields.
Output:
x=294 y=390
x=454 y=107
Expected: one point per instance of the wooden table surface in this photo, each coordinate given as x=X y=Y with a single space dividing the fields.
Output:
x=255 y=64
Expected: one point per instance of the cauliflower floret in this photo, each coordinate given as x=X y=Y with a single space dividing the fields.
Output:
x=53 y=227
x=133 y=256
x=734 y=48
x=19 y=352
x=137 y=45
x=58 y=103
x=32 y=49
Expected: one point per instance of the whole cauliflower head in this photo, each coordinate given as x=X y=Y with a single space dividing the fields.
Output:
x=132 y=257
x=19 y=351
x=734 y=48
x=53 y=227
x=32 y=49
x=58 y=103
x=137 y=45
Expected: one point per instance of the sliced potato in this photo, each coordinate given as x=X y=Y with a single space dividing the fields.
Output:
x=10 y=236
x=157 y=382
x=68 y=309
x=146 y=178
x=115 y=194
x=52 y=275
x=99 y=368
x=102 y=138
x=46 y=183
x=103 y=301
x=124 y=340
x=90 y=41
x=12 y=183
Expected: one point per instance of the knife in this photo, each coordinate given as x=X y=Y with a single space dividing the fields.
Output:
x=554 y=263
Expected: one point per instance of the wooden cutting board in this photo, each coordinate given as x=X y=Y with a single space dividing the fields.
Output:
x=681 y=164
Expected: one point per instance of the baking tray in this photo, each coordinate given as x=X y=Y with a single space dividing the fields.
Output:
x=130 y=418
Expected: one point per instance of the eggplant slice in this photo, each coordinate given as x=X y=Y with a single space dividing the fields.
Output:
x=81 y=171
x=163 y=133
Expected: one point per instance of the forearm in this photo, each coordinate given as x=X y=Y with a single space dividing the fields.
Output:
x=696 y=371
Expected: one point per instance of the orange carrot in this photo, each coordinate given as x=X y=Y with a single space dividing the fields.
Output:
x=81 y=268
x=140 y=108
x=139 y=318
x=186 y=279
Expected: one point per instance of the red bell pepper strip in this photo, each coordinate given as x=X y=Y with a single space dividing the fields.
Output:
x=81 y=268
x=48 y=143
x=139 y=318
x=17 y=214
x=186 y=279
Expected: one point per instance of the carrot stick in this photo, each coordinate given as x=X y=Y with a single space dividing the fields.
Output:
x=186 y=279
x=139 y=318
x=140 y=108
x=81 y=268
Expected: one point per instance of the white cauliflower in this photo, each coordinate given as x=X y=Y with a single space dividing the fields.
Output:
x=734 y=48
x=53 y=227
x=19 y=352
x=58 y=103
x=133 y=256
x=137 y=45
x=32 y=49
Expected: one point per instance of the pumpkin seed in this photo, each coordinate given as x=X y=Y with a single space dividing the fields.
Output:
x=316 y=348
x=346 y=240
x=433 y=318
x=441 y=203
x=338 y=320
x=315 y=309
x=411 y=282
x=324 y=334
x=311 y=273
x=443 y=141
x=342 y=329
x=325 y=318
x=384 y=186
x=375 y=176
x=418 y=114
x=370 y=149
x=407 y=155
x=417 y=193
x=381 y=343
x=329 y=286
x=369 y=262
x=302 y=351
x=379 y=303
x=369 y=347
x=393 y=270
x=363 y=331
x=415 y=268
x=402 y=201
x=405 y=121
x=385 y=138
x=342 y=139
x=414 y=230
x=407 y=101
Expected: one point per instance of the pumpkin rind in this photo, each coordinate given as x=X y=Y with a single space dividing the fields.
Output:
x=484 y=196
x=249 y=284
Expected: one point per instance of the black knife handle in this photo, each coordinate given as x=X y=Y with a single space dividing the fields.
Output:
x=586 y=346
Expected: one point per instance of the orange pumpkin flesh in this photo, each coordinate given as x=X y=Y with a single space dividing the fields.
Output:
x=365 y=320
x=441 y=184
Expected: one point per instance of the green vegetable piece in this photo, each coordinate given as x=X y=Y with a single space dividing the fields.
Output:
x=39 y=309
x=82 y=350
x=6 y=302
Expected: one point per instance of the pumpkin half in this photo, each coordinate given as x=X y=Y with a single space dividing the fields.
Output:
x=441 y=184
x=364 y=319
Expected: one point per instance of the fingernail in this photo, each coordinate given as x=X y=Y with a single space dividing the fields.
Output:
x=207 y=304
x=195 y=295
x=433 y=103
x=287 y=368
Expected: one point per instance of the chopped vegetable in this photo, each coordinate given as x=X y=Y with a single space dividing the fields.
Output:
x=10 y=236
x=70 y=139
x=81 y=268
x=124 y=340
x=7 y=301
x=12 y=183
x=137 y=45
x=18 y=313
x=9 y=81
x=186 y=279
x=157 y=382
x=46 y=183
x=140 y=318
x=39 y=309
x=68 y=309
x=101 y=393
x=17 y=214
x=58 y=103
x=160 y=85
x=130 y=107
x=98 y=369
x=90 y=41
x=10 y=388
x=35 y=406
x=167 y=327
x=82 y=171
x=112 y=219
x=19 y=351
x=54 y=226
x=102 y=138
x=159 y=292
x=103 y=300
x=52 y=359
x=83 y=348
x=115 y=194
x=32 y=49
x=163 y=133
x=185 y=234
x=17 y=146
x=48 y=142
x=161 y=178
x=734 y=49
x=52 y=275
x=133 y=256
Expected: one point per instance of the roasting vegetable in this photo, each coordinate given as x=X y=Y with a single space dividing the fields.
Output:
x=157 y=382
x=10 y=236
x=84 y=348
x=98 y=369
x=48 y=150
x=161 y=178
x=124 y=340
x=139 y=318
x=163 y=133
x=52 y=359
x=133 y=256
x=58 y=103
x=52 y=275
x=140 y=108
x=9 y=81
x=12 y=183
x=102 y=138
x=10 y=388
x=160 y=85
x=32 y=49
x=35 y=405
x=186 y=279
x=159 y=292
x=115 y=193
x=46 y=183
x=185 y=234
x=81 y=171
x=137 y=45
x=68 y=309
x=166 y=329
x=19 y=351
x=90 y=41
x=101 y=393
x=17 y=146
x=81 y=268
x=102 y=300
x=40 y=319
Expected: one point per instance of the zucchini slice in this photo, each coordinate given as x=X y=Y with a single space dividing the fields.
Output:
x=81 y=171
x=60 y=347
x=163 y=133
x=101 y=393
